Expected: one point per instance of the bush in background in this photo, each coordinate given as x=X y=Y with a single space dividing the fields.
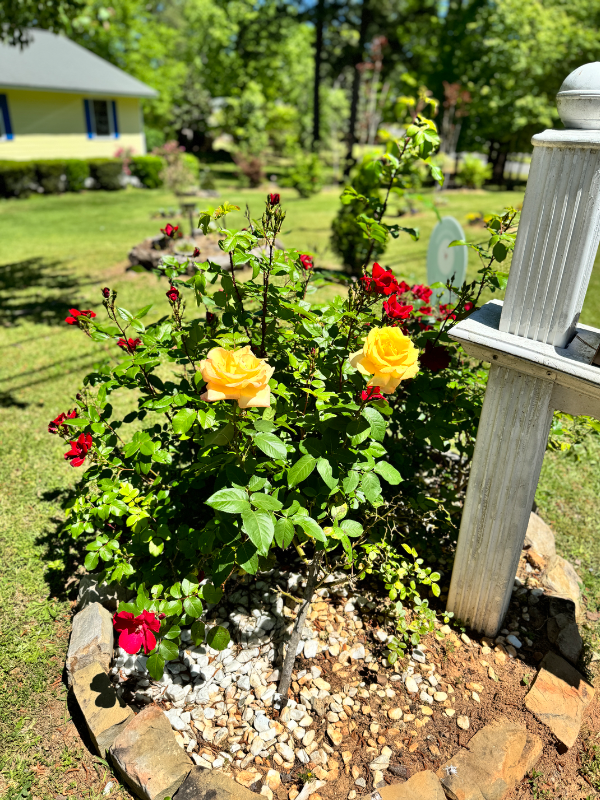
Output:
x=107 y=173
x=148 y=169
x=77 y=171
x=473 y=173
x=51 y=176
x=306 y=175
x=16 y=178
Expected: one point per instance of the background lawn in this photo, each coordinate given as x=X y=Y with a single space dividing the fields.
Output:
x=57 y=252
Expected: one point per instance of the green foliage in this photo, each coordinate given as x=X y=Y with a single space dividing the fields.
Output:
x=473 y=173
x=107 y=173
x=306 y=175
x=16 y=178
x=76 y=170
x=50 y=175
x=148 y=169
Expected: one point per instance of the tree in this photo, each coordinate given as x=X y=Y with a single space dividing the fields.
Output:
x=17 y=16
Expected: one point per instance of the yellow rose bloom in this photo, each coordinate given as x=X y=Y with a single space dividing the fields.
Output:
x=389 y=356
x=236 y=375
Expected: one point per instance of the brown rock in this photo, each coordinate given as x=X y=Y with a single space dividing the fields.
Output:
x=540 y=537
x=496 y=759
x=535 y=559
x=335 y=735
x=148 y=757
x=422 y=786
x=560 y=578
x=91 y=639
x=559 y=697
x=205 y=784
x=562 y=631
x=105 y=715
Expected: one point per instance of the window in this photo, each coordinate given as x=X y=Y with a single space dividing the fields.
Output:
x=101 y=118
x=5 y=126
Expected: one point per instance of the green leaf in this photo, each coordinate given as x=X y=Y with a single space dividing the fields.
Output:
x=91 y=561
x=310 y=528
x=350 y=483
x=260 y=529
x=212 y=594
x=271 y=445
x=192 y=606
x=388 y=473
x=247 y=557
x=351 y=527
x=218 y=638
x=155 y=665
x=376 y=421
x=325 y=471
x=198 y=631
x=143 y=311
x=124 y=314
x=168 y=650
x=183 y=420
x=301 y=470
x=232 y=501
x=265 y=502
x=371 y=487
x=284 y=533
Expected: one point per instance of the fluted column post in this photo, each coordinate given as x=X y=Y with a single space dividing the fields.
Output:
x=554 y=253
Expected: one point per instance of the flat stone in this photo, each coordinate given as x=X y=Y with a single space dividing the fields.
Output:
x=91 y=639
x=311 y=648
x=285 y=751
x=561 y=579
x=309 y=789
x=147 y=756
x=563 y=631
x=558 y=698
x=108 y=595
x=463 y=722
x=540 y=537
x=335 y=735
x=202 y=784
x=495 y=760
x=422 y=786
x=105 y=714
x=357 y=652
x=411 y=685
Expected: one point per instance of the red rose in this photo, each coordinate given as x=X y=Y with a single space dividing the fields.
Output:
x=129 y=344
x=79 y=449
x=422 y=292
x=55 y=424
x=435 y=358
x=396 y=310
x=136 y=631
x=403 y=287
x=306 y=261
x=371 y=393
x=381 y=281
x=273 y=199
x=106 y=292
x=196 y=252
x=75 y=314
x=170 y=230
x=173 y=294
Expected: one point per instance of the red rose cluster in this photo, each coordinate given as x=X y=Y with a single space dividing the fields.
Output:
x=56 y=424
x=306 y=261
x=173 y=294
x=371 y=393
x=79 y=449
x=129 y=344
x=75 y=314
x=136 y=631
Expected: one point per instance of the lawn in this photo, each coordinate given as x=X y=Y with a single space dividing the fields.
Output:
x=56 y=253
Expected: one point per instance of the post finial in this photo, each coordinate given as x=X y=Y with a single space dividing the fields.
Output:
x=578 y=99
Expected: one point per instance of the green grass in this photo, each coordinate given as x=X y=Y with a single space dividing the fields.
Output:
x=57 y=252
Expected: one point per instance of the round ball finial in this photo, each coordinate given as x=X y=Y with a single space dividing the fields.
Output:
x=578 y=99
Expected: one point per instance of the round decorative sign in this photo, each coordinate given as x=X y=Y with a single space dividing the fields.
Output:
x=444 y=262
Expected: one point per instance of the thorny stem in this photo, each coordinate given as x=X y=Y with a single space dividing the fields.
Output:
x=266 y=274
x=290 y=655
x=238 y=294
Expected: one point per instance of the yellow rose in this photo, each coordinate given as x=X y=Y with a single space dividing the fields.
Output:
x=236 y=375
x=389 y=356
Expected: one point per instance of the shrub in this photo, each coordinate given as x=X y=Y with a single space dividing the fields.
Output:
x=148 y=170
x=473 y=173
x=306 y=176
x=16 y=178
x=76 y=170
x=107 y=173
x=255 y=441
x=181 y=170
x=51 y=176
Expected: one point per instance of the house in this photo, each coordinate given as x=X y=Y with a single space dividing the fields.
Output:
x=58 y=100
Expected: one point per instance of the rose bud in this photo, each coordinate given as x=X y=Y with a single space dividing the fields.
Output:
x=106 y=292
x=173 y=294
x=196 y=252
x=274 y=199
x=170 y=230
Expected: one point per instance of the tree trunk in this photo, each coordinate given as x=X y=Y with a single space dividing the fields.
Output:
x=362 y=37
x=317 y=84
x=290 y=655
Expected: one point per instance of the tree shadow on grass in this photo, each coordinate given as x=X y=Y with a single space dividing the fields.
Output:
x=38 y=290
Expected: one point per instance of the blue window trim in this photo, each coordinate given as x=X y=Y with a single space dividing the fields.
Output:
x=115 y=121
x=5 y=117
x=88 y=119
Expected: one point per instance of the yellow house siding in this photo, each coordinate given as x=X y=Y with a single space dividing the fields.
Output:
x=52 y=125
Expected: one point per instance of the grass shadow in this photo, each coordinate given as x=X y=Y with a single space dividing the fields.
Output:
x=36 y=289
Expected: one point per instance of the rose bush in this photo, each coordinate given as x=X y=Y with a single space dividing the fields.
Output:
x=270 y=431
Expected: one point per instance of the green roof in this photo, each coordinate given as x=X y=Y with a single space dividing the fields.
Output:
x=54 y=63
